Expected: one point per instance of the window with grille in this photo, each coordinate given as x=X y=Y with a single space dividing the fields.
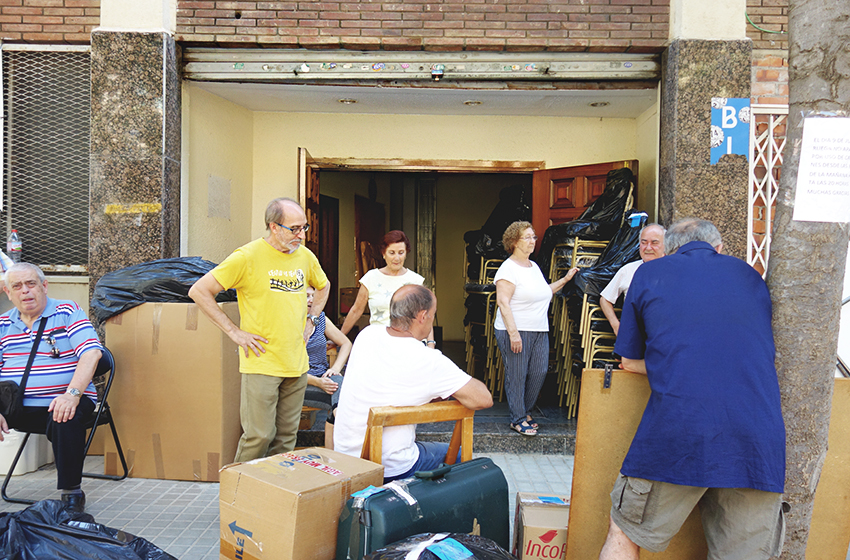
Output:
x=46 y=119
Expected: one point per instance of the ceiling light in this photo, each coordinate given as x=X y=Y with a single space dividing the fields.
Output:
x=472 y=102
x=599 y=104
x=347 y=101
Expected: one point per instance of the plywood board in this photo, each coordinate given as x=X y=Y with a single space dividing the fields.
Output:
x=607 y=422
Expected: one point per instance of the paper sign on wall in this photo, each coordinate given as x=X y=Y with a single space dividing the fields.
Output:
x=823 y=178
x=730 y=127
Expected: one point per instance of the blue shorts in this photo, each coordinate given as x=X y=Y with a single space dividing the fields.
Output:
x=431 y=455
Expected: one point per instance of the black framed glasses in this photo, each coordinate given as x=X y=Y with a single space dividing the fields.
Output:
x=296 y=229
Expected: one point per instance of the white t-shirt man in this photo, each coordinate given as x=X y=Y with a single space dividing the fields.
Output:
x=384 y=370
x=531 y=297
x=621 y=282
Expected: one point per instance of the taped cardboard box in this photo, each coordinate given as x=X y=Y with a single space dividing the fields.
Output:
x=287 y=507
x=540 y=526
x=176 y=393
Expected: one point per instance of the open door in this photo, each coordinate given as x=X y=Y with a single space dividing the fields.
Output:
x=308 y=196
x=562 y=194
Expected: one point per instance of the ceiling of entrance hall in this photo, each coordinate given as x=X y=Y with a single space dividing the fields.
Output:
x=303 y=98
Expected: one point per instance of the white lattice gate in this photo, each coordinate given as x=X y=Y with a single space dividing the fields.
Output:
x=767 y=141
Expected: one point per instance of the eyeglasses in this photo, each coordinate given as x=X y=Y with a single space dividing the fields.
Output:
x=296 y=229
x=532 y=238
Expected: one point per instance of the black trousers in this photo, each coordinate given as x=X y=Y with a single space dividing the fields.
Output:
x=68 y=438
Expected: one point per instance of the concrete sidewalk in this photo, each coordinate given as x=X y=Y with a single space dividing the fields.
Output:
x=182 y=517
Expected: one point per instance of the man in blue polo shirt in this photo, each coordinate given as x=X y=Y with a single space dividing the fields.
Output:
x=59 y=394
x=698 y=324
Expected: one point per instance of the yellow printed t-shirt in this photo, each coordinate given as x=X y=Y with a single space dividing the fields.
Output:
x=271 y=287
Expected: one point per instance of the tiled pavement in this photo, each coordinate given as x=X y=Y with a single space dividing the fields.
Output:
x=182 y=517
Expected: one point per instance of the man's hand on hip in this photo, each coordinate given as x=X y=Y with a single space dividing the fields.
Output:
x=248 y=341
x=63 y=407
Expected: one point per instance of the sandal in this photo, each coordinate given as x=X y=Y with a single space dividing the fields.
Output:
x=524 y=428
x=530 y=421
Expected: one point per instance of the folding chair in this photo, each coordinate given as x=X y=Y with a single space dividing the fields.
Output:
x=385 y=416
x=102 y=415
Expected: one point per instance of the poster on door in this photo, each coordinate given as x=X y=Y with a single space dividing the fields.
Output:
x=730 y=127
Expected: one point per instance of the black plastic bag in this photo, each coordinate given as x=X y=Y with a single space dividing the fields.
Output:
x=622 y=249
x=599 y=222
x=486 y=243
x=46 y=531
x=163 y=280
x=480 y=547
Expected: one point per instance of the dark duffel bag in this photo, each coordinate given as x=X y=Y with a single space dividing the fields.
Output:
x=470 y=497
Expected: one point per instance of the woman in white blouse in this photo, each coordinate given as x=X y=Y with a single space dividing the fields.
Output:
x=522 y=324
x=379 y=284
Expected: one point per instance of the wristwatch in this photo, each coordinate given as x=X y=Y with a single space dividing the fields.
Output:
x=74 y=392
x=314 y=319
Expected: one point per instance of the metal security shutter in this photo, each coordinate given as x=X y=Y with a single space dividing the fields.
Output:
x=46 y=120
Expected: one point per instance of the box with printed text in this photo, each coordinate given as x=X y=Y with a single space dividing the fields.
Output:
x=286 y=507
x=540 y=526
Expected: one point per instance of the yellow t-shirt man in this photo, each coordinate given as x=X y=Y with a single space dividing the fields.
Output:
x=271 y=289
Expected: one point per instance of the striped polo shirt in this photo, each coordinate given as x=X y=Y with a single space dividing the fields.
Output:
x=70 y=332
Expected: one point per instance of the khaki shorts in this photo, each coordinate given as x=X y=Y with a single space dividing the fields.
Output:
x=739 y=523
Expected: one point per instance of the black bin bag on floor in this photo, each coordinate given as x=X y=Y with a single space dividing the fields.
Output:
x=622 y=249
x=439 y=546
x=46 y=531
x=163 y=280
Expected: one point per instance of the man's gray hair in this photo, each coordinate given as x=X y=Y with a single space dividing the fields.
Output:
x=20 y=267
x=690 y=229
x=653 y=224
x=405 y=308
x=274 y=210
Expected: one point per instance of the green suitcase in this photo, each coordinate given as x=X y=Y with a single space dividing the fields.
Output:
x=469 y=497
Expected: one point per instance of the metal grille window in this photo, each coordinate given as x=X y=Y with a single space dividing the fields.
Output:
x=46 y=119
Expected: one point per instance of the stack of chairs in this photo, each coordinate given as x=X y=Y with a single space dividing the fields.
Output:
x=481 y=349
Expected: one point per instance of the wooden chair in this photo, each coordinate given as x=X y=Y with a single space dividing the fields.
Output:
x=444 y=411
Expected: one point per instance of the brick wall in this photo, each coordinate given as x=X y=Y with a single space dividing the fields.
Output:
x=770 y=15
x=48 y=21
x=436 y=25
x=770 y=77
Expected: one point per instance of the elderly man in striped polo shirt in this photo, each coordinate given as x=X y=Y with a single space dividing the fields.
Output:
x=59 y=394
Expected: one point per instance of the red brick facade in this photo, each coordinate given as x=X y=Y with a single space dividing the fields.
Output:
x=771 y=16
x=48 y=21
x=770 y=50
x=434 y=25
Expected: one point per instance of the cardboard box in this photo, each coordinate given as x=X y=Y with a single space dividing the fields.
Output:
x=287 y=507
x=176 y=392
x=540 y=526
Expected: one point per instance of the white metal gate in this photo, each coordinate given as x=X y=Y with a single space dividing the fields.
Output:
x=767 y=141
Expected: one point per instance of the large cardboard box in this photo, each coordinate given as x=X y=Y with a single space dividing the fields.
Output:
x=287 y=507
x=176 y=392
x=540 y=526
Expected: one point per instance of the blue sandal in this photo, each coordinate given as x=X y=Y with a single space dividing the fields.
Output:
x=524 y=429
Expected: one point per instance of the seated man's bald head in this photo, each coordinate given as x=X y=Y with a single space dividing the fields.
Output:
x=407 y=302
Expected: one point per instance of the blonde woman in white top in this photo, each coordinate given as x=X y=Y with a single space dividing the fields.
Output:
x=379 y=284
x=522 y=324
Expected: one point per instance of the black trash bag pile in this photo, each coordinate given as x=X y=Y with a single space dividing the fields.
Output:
x=622 y=249
x=163 y=280
x=47 y=531
x=443 y=545
x=486 y=243
x=599 y=222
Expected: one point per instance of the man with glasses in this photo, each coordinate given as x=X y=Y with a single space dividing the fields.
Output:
x=59 y=395
x=651 y=248
x=270 y=276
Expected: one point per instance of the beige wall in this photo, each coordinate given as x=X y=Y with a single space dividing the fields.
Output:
x=139 y=15
x=217 y=161
x=647 y=154
x=718 y=19
x=556 y=141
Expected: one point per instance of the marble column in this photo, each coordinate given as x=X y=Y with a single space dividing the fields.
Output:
x=694 y=71
x=135 y=150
